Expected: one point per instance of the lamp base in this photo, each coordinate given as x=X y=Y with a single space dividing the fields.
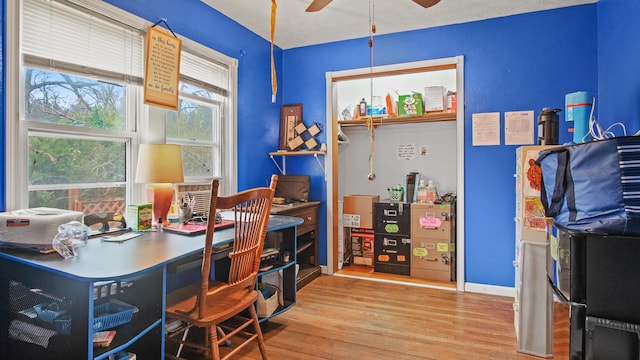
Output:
x=160 y=195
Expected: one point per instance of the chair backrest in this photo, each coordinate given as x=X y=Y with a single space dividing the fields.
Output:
x=251 y=210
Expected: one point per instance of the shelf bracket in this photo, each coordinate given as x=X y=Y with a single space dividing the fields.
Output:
x=283 y=154
x=283 y=169
x=321 y=165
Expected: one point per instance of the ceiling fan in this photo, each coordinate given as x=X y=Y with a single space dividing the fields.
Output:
x=317 y=5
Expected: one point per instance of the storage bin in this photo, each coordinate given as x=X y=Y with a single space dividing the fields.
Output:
x=122 y=355
x=106 y=316
x=48 y=312
x=267 y=306
x=610 y=339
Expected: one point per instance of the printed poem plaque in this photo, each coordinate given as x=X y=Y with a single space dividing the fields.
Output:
x=162 y=68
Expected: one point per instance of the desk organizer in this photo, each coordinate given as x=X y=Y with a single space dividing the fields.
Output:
x=106 y=316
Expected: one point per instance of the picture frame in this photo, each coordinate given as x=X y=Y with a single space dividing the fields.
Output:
x=291 y=117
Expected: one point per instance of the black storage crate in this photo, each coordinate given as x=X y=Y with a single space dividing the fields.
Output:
x=609 y=339
x=603 y=285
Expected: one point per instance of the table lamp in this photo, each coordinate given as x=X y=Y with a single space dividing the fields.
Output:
x=159 y=166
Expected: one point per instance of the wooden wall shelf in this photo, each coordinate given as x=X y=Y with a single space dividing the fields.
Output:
x=297 y=153
x=377 y=121
x=283 y=154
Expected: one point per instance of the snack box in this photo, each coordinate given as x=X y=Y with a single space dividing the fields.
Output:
x=139 y=217
x=410 y=105
x=35 y=227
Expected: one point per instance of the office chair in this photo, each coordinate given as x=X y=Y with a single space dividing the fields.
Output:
x=209 y=303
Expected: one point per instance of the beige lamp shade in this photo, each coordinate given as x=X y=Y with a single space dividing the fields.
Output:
x=159 y=163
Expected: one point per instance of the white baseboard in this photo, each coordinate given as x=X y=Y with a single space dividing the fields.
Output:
x=490 y=289
x=470 y=287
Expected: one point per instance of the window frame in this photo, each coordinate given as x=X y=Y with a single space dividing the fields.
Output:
x=145 y=119
x=214 y=143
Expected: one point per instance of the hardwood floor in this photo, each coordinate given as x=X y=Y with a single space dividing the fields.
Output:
x=348 y=318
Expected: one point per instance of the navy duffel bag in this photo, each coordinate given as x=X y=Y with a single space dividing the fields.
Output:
x=593 y=186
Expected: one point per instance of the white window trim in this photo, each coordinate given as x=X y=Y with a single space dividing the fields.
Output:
x=16 y=161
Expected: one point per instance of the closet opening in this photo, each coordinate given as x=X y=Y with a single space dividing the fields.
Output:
x=388 y=122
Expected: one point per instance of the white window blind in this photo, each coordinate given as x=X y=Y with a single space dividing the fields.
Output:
x=62 y=37
x=205 y=73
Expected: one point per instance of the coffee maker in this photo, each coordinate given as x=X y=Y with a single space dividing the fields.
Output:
x=411 y=181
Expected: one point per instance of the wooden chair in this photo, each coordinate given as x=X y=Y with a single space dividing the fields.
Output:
x=209 y=303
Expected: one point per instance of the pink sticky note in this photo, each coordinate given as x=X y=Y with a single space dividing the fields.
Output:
x=431 y=222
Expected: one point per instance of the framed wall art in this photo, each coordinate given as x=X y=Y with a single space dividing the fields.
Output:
x=291 y=117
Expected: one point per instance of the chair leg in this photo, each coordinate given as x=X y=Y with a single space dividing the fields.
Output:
x=213 y=342
x=256 y=328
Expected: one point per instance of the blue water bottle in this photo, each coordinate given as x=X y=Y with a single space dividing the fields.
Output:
x=578 y=110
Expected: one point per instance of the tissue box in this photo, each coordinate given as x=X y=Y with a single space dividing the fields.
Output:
x=34 y=227
x=139 y=217
x=435 y=98
x=410 y=105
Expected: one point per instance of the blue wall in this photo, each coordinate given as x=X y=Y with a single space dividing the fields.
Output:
x=258 y=119
x=619 y=64
x=523 y=62
x=3 y=143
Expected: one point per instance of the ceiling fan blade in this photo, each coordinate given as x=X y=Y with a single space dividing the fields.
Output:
x=317 y=5
x=426 y=3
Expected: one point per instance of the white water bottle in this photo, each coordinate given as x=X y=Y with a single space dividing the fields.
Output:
x=432 y=192
x=422 y=192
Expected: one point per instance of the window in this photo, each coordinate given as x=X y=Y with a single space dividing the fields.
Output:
x=78 y=93
x=70 y=117
x=196 y=127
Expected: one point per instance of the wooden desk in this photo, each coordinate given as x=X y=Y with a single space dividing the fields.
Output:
x=138 y=266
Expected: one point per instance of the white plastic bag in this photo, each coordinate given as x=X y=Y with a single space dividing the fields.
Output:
x=70 y=237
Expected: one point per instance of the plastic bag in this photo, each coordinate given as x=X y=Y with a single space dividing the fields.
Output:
x=71 y=236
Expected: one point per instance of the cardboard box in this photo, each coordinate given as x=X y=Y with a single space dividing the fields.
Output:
x=435 y=98
x=358 y=210
x=410 y=105
x=139 y=217
x=362 y=248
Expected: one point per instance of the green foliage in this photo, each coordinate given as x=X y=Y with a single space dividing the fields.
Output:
x=60 y=160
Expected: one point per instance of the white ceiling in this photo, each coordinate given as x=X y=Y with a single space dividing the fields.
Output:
x=349 y=19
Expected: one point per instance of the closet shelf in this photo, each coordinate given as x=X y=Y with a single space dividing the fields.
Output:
x=378 y=120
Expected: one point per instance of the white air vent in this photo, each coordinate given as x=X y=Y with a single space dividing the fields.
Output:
x=201 y=191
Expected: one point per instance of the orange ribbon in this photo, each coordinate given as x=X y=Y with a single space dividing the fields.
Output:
x=274 y=81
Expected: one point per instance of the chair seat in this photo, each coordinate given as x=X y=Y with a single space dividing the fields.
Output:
x=227 y=302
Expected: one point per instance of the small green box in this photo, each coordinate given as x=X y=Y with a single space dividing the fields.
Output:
x=139 y=217
x=410 y=105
